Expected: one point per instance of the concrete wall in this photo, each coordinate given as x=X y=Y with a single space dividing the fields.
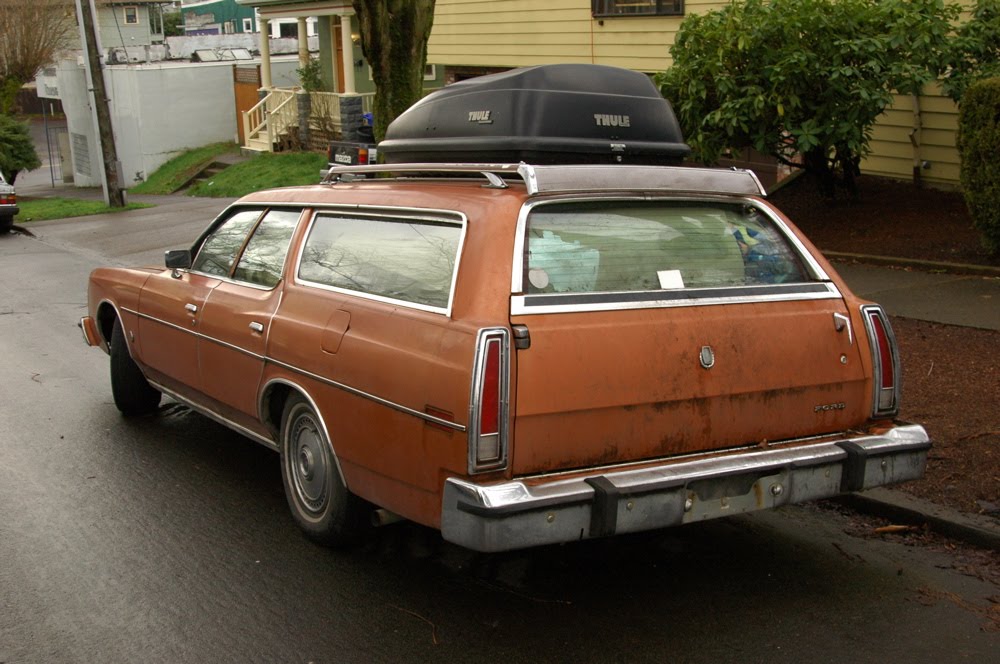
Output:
x=183 y=47
x=158 y=110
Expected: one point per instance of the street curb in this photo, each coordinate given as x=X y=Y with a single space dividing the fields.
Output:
x=894 y=261
x=974 y=529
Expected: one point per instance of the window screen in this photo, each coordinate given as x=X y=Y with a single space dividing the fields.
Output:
x=632 y=246
x=637 y=7
x=401 y=259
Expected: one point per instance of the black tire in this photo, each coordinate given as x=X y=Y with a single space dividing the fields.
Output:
x=6 y=223
x=320 y=503
x=132 y=392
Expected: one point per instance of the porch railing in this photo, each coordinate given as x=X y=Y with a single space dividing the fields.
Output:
x=270 y=118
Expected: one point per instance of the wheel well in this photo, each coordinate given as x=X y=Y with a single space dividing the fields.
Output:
x=106 y=316
x=274 y=405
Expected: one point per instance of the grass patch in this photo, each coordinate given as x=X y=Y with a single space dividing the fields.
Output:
x=39 y=209
x=263 y=172
x=174 y=174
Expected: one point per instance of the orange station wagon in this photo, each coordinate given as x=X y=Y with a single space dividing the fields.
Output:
x=518 y=354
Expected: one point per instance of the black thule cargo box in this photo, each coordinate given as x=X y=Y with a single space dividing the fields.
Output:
x=550 y=114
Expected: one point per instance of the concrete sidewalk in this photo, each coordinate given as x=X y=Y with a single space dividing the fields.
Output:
x=954 y=299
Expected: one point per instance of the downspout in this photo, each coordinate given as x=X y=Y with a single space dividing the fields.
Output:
x=915 y=139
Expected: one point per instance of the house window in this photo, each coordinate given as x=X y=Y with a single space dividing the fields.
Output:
x=430 y=72
x=131 y=13
x=248 y=25
x=637 y=7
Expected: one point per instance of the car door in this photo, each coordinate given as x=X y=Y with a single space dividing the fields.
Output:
x=236 y=318
x=171 y=303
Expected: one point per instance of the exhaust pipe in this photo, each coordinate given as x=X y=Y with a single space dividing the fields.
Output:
x=382 y=517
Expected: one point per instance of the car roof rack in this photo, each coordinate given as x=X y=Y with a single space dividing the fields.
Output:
x=569 y=178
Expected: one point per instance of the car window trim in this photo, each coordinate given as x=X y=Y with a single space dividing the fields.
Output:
x=226 y=214
x=522 y=303
x=390 y=214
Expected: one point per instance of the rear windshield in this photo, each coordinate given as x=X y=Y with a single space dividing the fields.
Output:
x=613 y=247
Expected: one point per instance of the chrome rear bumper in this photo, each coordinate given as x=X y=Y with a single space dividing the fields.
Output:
x=531 y=512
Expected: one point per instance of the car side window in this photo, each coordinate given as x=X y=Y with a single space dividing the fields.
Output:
x=408 y=260
x=219 y=250
x=264 y=257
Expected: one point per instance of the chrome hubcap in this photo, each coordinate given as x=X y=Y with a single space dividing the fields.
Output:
x=308 y=463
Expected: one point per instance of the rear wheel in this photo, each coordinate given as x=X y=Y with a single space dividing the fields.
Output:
x=132 y=392
x=6 y=223
x=320 y=502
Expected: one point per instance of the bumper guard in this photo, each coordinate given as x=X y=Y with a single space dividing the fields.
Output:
x=535 y=511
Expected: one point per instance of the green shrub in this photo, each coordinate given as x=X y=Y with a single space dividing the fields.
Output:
x=979 y=147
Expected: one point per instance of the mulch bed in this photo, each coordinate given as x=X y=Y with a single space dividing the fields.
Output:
x=890 y=218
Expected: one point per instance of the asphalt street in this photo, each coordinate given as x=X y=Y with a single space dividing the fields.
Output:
x=167 y=538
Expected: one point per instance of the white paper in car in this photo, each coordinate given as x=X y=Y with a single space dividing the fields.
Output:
x=670 y=279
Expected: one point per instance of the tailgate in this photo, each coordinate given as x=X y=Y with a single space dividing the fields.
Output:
x=656 y=331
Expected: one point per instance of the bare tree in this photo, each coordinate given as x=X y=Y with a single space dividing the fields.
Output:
x=32 y=32
x=394 y=37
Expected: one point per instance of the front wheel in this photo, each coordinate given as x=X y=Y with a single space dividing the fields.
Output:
x=320 y=502
x=132 y=392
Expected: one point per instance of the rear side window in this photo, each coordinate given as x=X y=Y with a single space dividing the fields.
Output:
x=614 y=247
x=400 y=259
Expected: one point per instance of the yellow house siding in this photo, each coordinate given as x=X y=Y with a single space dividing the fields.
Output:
x=892 y=152
x=520 y=33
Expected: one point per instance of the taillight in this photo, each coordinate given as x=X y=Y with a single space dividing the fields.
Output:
x=488 y=401
x=8 y=199
x=885 y=360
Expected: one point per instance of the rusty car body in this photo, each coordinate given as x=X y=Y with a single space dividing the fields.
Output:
x=519 y=355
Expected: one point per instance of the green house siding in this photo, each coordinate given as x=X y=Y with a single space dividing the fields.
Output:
x=215 y=14
x=116 y=32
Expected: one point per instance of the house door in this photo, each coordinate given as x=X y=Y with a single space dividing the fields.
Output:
x=339 y=58
x=246 y=83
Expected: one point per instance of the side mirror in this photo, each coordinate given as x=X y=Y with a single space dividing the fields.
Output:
x=178 y=259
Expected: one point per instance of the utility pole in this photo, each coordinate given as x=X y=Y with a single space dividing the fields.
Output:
x=113 y=195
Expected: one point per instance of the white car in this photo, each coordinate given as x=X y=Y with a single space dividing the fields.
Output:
x=8 y=205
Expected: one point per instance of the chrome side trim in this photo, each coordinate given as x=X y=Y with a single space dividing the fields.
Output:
x=371 y=397
x=522 y=305
x=544 y=510
x=212 y=415
x=302 y=372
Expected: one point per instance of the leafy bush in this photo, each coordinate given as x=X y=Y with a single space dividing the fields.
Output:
x=801 y=77
x=979 y=145
x=311 y=75
x=974 y=54
x=17 y=150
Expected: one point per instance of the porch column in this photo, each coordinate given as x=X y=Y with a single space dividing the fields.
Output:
x=303 y=42
x=265 y=52
x=348 y=46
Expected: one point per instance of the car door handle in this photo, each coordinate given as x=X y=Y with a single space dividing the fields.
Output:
x=841 y=323
x=193 y=308
x=257 y=327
